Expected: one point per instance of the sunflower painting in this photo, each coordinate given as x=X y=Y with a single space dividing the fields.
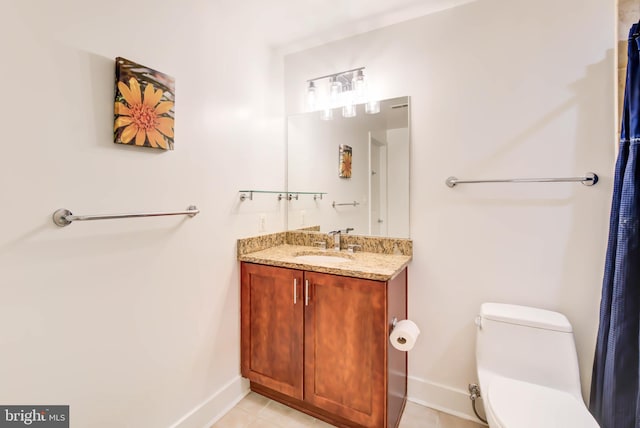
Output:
x=143 y=107
x=345 y=161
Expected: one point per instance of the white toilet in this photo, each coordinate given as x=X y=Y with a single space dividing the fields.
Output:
x=528 y=369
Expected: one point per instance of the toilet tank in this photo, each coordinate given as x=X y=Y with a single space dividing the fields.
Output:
x=529 y=344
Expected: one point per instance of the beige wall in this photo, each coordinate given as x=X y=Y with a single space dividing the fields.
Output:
x=498 y=89
x=628 y=14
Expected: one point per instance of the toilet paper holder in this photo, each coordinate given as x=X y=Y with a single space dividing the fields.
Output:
x=394 y=321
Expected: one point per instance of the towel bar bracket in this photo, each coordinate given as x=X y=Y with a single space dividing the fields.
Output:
x=60 y=217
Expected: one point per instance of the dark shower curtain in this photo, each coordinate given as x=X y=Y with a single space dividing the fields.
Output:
x=614 y=385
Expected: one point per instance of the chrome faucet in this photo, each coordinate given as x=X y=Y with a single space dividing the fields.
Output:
x=336 y=237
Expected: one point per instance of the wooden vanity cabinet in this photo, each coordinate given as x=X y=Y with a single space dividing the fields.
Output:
x=319 y=343
x=272 y=328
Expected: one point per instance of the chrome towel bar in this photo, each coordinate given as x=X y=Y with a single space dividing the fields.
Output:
x=589 y=179
x=64 y=217
x=354 y=203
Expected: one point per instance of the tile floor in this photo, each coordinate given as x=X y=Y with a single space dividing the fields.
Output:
x=256 y=411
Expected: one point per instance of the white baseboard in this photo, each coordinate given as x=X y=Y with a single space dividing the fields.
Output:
x=213 y=408
x=420 y=391
x=443 y=398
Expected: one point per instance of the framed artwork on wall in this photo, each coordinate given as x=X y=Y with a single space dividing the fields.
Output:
x=345 y=161
x=144 y=106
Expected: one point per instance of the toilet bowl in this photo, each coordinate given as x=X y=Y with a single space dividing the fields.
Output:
x=528 y=369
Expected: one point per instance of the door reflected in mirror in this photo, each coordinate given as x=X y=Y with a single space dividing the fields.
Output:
x=361 y=163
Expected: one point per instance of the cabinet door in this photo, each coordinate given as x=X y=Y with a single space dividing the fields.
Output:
x=345 y=347
x=272 y=308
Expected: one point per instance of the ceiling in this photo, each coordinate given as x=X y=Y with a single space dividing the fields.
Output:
x=292 y=25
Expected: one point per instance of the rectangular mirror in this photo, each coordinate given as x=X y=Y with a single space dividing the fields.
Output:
x=360 y=164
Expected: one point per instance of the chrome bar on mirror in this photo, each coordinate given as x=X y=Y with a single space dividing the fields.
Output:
x=354 y=203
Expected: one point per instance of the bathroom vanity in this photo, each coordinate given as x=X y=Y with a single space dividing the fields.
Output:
x=315 y=334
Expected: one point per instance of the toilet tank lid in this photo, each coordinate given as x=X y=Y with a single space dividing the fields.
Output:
x=525 y=315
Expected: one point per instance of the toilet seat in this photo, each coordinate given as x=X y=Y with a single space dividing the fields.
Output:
x=517 y=404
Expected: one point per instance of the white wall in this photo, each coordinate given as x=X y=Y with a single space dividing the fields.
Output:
x=498 y=89
x=398 y=156
x=133 y=323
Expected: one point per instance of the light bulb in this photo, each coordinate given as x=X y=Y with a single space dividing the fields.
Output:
x=349 y=110
x=372 y=107
x=360 y=85
x=312 y=96
x=326 y=114
x=335 y=88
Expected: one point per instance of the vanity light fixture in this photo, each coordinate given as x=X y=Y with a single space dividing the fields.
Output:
x=342 y=90
x=312 y=96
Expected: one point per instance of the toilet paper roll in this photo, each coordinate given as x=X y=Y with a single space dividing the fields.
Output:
x=404 y=335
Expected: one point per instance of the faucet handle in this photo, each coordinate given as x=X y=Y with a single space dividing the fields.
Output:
x=352 y=247
x=321 y=244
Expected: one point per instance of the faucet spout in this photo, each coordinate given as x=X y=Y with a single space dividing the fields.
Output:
x=336 y=239
x=337 y=235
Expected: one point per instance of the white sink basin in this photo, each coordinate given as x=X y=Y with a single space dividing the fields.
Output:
x=316 y=258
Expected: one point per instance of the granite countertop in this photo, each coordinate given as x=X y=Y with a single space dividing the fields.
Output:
x=376 y=266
